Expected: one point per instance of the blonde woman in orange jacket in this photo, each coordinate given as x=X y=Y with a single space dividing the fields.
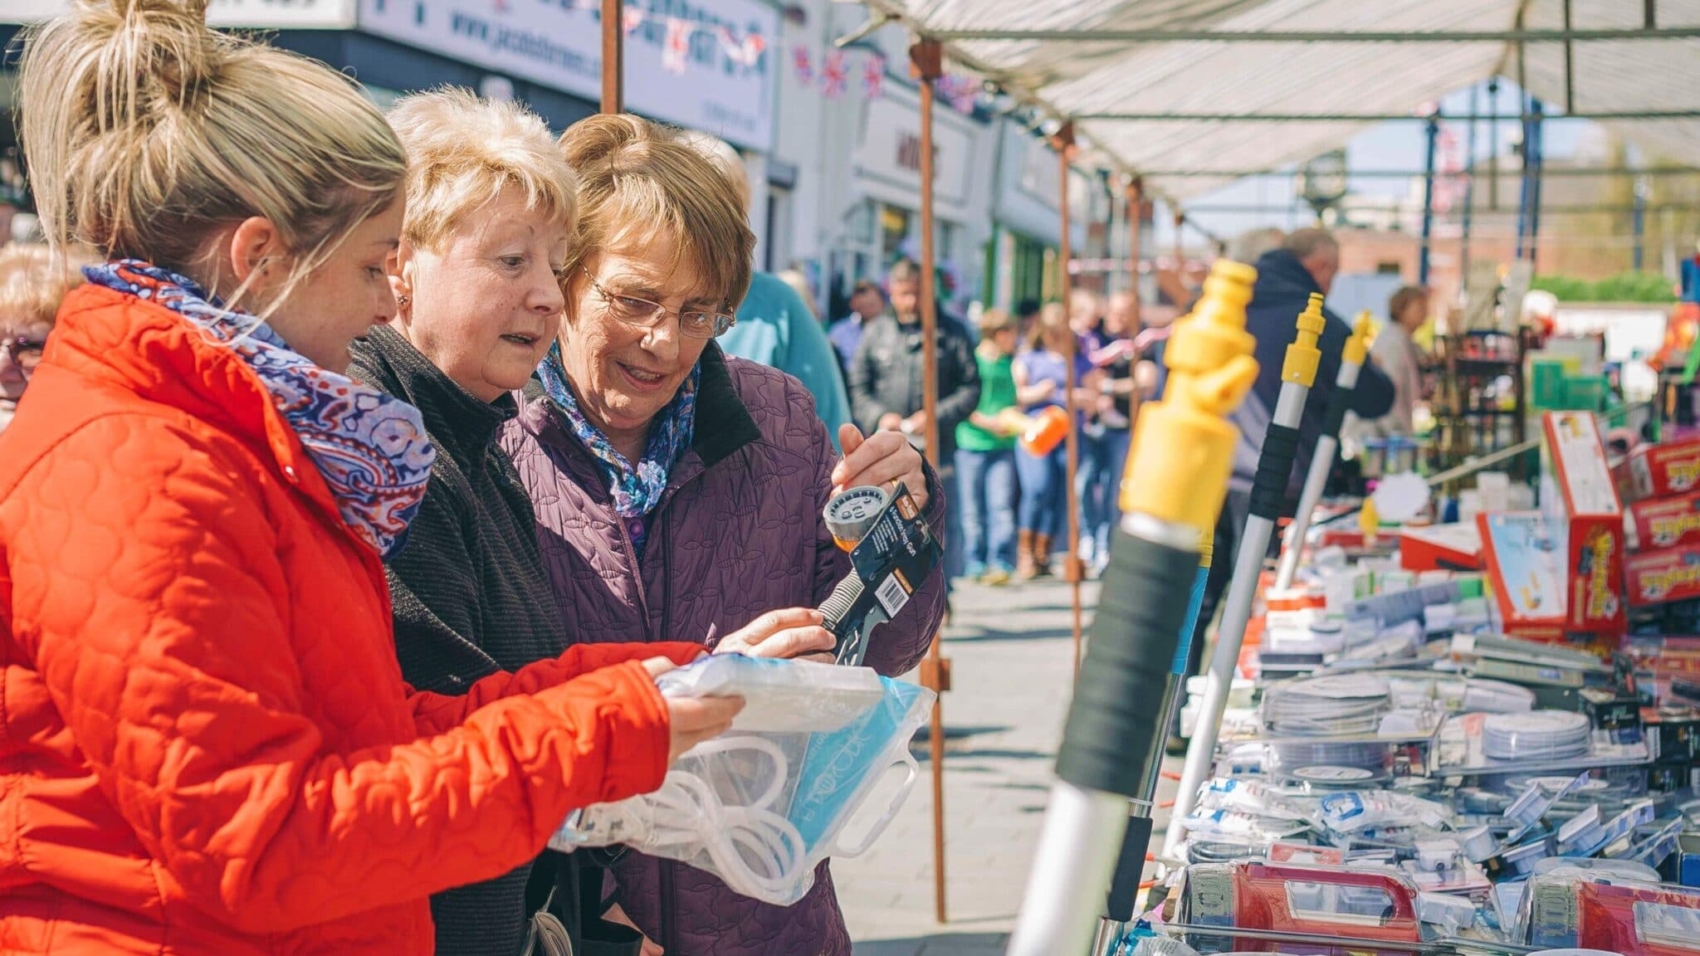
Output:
x=206 y=745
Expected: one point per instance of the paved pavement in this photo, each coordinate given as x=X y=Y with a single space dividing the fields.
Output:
x=1011 y=651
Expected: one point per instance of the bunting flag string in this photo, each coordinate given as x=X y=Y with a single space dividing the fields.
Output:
x=873 y=76
x=747 y=48
x=834 y=78
x=677 y=46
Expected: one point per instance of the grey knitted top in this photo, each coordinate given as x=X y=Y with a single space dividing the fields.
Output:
x=470 y=593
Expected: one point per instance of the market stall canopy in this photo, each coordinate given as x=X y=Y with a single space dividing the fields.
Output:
x=1174 y=89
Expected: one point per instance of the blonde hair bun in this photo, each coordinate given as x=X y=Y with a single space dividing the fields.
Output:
x=146 y=132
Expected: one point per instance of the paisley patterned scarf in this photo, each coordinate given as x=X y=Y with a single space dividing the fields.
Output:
x=371 y=448
x=636 y=491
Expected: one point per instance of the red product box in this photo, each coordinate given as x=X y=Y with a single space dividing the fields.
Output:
x=1659 y=471
x=1666 y=522
x=1441 y=547
x=1580 y=502
x=1660 y=577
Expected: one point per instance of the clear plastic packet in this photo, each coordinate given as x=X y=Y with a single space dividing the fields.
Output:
x=760 y=809
x=780 y=696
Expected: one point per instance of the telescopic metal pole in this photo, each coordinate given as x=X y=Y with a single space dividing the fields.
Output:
x=1269 y=490
x=1130 y=863
x=1351 y=361
x=1172 y=490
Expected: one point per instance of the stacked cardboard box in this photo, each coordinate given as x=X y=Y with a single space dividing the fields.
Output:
x=1558 y=574
x=1663 y=484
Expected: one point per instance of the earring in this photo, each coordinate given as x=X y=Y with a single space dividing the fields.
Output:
x=403 y=300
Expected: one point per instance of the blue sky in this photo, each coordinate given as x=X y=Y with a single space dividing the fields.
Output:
x=1384 y=146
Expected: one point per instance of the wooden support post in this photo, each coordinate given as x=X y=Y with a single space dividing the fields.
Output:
x=613 y=42
x=926 y=64
x=1063 y=143
x=1135 y=210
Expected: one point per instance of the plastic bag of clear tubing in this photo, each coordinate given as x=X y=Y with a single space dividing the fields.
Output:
x=763 y=804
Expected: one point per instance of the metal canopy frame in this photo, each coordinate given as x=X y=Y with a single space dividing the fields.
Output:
x=1317 y=36
x=1051 y=58
x=1181 y=116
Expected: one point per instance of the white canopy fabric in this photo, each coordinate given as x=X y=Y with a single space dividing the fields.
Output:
x=1082 y=78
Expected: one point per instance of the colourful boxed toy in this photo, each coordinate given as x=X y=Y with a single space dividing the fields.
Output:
x=1581 y=505
x=1441 y=547
x=1659 y=471
x=1660 y=577
x=1666 y=522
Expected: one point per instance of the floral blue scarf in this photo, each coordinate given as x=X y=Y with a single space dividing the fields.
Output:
x=637 y=491
x=372 y=449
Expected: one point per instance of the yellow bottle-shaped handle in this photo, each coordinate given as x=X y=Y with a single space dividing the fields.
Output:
x=1183 y=448
x=1302 y=355
x=1357 y=347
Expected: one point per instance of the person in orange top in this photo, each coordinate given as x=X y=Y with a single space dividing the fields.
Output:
x=206 y=744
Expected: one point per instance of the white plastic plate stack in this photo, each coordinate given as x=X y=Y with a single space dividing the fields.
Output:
x=1537 y=735
x=1336 y=705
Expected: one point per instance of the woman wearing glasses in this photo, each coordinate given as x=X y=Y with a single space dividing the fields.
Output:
x=679 y=493
x=32 y=281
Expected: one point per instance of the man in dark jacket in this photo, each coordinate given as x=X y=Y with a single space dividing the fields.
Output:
x=1306 y=262
x=886 y=374
x=886 y=377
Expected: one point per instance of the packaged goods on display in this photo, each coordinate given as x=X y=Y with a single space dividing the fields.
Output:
x=1480 y=737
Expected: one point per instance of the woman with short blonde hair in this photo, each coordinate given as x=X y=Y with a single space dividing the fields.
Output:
x=680 y=492
x=490 y=205
x=206 y=744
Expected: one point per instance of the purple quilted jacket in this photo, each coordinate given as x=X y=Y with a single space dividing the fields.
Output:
x=738 y=532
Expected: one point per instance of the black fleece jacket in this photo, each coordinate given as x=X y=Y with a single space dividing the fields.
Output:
x=470 y=594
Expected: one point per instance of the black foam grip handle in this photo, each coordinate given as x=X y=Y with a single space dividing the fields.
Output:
x=1336 y=416
x=1115 y=728
x=1274 y=469
x=1130 y=866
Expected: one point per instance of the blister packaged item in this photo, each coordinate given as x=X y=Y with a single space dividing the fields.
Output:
x=761 y=810
x=1241 y=826
x=1161 y=946
x=1597 y=911
x=1450 y=914
x=780 y=696
x=1363 y=809
x=1352 y=904
x=1538 y=799
x=1248 y=796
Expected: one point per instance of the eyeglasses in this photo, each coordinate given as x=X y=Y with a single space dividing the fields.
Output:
x=641 y=312
x=25 y=352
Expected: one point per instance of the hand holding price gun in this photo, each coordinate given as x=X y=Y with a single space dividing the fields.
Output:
x=892 y=551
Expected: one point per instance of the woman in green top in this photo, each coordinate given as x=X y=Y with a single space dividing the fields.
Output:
x=985 y=457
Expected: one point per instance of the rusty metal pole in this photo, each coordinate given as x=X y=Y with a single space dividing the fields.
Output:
x=1180 y=247
x=926 y=63
x=1135 y=221
x=1063 y=143
x=613 y=39
x=1135 y=204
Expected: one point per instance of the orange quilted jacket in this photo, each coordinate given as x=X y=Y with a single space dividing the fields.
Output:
x=205 y=742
